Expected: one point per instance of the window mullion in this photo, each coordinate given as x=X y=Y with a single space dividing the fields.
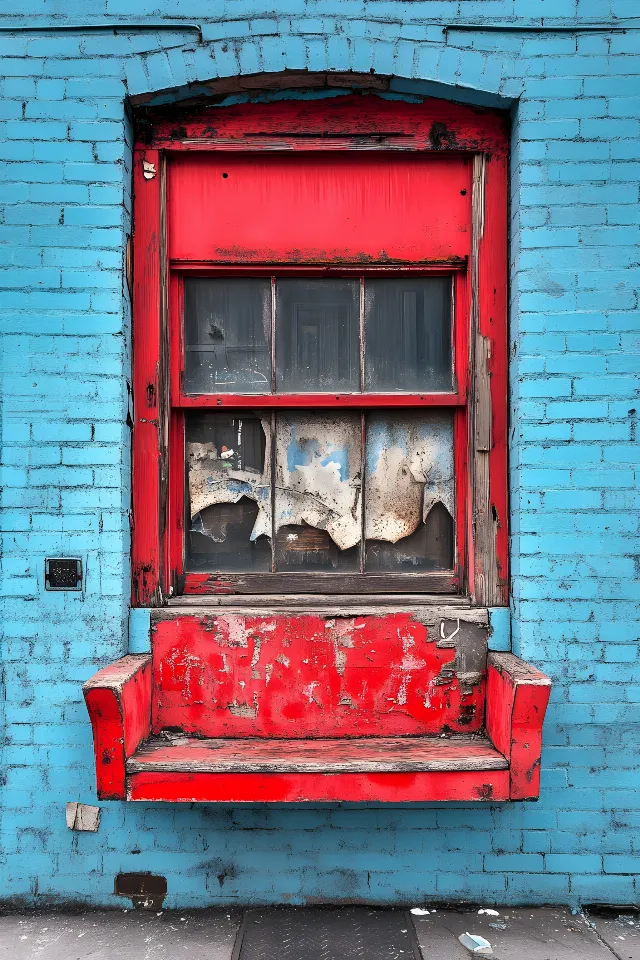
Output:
x=273 y=334
x=272 y=454
x=363 y=470
x=362 y=335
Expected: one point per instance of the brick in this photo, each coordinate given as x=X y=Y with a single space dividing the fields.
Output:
x=514 y=862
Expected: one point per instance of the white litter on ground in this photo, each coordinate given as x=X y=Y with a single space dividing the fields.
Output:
x=419 y=911
x=476 y=944
x=489 y=913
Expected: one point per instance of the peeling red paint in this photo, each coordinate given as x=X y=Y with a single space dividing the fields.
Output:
x=307 y=675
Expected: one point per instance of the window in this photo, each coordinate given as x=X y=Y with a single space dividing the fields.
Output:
x=301 y=490
x=330 y=416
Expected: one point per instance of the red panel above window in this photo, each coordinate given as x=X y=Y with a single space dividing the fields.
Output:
x=332 y=208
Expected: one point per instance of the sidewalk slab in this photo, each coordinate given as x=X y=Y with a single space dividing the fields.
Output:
x=119 y=935
x=542 y=933
x=621 y=933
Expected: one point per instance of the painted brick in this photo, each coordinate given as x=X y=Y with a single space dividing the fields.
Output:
x=66 y=190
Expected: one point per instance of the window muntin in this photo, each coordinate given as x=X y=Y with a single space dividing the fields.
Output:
x=338 y=335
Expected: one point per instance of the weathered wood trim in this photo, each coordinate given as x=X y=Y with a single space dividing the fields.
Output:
x=434 y=126
x=145 y=551
x=427 y=268
x=164 y=373
x=116 y=675
x=519 y=671
x=516 y=701
x=331 y=606
x=425 y=787
x=487 y=402
x=118 y=700
x=305 y=602
x=284 y=80
x=318 y=583
x=176 y=753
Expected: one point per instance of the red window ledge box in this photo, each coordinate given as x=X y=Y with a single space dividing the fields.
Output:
x=196 y=722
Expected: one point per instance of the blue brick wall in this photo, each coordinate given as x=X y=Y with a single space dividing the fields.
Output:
x=64 y=215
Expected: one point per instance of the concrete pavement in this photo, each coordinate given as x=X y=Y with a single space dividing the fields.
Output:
x=546 y=933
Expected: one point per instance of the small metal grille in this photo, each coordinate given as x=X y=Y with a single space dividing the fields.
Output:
x=63 y=573
x=323 y=933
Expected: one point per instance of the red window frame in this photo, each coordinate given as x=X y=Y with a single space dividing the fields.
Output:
x=479 y=330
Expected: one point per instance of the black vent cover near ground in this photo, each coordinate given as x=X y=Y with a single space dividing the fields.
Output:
x=325 y=933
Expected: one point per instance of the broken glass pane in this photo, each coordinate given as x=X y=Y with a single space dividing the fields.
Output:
x=228 y=501
x=409 y=492
x=408 y=334
x=227 y=327
x=317 y=335
x=318 y=505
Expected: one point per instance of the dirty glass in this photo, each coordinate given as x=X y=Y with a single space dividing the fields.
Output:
x=317 y=335
x=228 y=492
x=409 y=492
x=318 y=517
x=227 y=330
x=408 y=334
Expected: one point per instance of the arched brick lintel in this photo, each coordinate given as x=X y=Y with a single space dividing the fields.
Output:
x=256 y=85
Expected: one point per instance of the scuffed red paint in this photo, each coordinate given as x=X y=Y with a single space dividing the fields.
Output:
x=517 y=698
x=306 y=676
x=184 y=692
x=287 y=788
x=435 y=126
x=409 y=150
x=118 y=700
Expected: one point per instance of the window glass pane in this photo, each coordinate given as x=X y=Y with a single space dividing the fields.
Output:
x=409 y=492
x=228 y=492
x=318 y=515
x=227 y=326
x=408 y=334
x=317 y=335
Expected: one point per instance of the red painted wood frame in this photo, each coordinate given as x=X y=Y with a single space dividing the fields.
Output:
x=203 y=583
x=355 y=126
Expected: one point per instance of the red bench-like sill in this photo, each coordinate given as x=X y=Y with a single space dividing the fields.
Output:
x=137 y=760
